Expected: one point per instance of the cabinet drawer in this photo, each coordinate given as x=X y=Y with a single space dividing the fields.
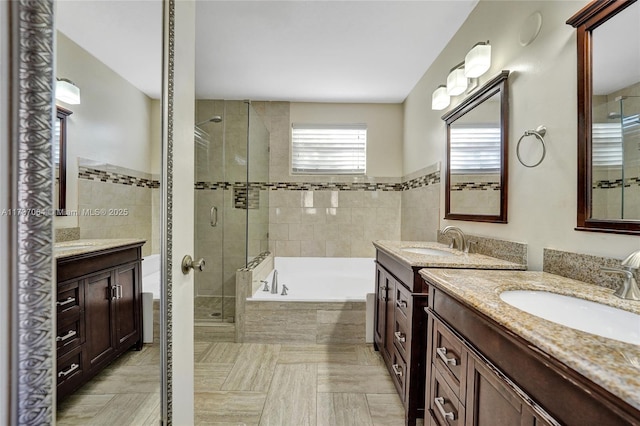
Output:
x=449 y=357
x=70 y=334
x=400 y=337
x=403 y=301
x=69 y=371
x=68 y=299
x=398 y=372
x=444 y=405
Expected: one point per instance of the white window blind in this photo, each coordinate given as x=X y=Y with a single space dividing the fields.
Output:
x=329 y=149
x=475 y=149
x=606 y=144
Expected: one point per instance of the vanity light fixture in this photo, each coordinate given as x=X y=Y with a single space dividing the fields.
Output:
x=456 y=80
x=67 y=92
x=440 y=98
x=478 y=60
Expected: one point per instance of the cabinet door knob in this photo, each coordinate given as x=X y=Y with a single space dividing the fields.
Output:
x=439 y=401
x=442 y=353
x=400 y=337
x=401 y=303
x=188 y=264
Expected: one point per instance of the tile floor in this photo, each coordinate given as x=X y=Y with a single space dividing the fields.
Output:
x=248 y=384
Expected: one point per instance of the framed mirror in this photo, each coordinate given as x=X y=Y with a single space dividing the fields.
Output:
x=60 y=160
x=608 y=42
x=477 y=153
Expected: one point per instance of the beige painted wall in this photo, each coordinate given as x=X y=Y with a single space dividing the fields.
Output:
x=542 y=200
x=111 y=125
x=384 y=130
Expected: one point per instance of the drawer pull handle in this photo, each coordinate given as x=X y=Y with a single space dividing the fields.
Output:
x=384 y=298
x=400 y=337
x=401 y=303
x=442 y=353
x=66 y=302
x=71 y=369
x=439 y=401
x=69 y=335
x=397 y=370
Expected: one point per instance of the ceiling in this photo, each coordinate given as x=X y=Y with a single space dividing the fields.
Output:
x=315 y=51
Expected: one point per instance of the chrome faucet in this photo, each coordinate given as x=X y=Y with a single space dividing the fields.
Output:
x=266 y=285
x=629 y=288
x=458 y=240
x=284 y=290
x=274 y=282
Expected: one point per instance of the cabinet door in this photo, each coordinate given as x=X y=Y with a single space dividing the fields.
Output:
x=99 y=300
x=127 y=306
x=490 y=401
x=381 y=307
x=390 y=308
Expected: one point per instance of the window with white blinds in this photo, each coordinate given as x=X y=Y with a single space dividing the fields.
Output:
x=329 y=149
x=606 y=144
x=475 y=149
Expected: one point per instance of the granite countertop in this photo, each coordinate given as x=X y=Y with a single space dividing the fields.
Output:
x=612 y=364
x=78 y=247
x=458 y=260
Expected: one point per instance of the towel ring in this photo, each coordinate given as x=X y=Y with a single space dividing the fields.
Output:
x=539 y=133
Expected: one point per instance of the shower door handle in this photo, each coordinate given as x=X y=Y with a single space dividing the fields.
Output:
x=213 y=216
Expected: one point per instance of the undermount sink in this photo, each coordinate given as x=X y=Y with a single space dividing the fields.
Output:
x=579 y=314
x=428 y=251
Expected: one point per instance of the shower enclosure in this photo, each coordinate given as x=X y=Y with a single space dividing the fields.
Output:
x=616 y=158
x=231 y=146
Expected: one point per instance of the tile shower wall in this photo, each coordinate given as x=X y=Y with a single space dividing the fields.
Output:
x=323 y=216
x=421 y=205
x=115 y=202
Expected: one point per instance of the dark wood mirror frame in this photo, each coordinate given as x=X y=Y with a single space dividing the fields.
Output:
x=62 y=114
x=585 y=21
x=496 y=85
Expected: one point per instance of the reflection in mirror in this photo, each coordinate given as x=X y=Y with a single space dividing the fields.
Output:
x=60 y=160
x=615 y=143
x=608 y=116
x=476 y=145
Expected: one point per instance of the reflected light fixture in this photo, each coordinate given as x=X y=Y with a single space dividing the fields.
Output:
x=67 y=92
x=440 y=99
x=478 y=60
x=456 y=80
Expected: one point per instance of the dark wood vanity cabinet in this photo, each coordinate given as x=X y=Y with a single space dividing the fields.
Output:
x=399 y=327
x=483 y=374
x=98 y=312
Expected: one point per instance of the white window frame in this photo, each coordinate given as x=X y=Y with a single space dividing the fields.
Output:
x=353 y=135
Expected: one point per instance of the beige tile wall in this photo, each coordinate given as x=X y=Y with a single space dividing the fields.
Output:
x=327 y=223
x=137 y=223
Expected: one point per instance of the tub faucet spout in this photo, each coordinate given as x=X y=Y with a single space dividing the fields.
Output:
x=284 y=290
x=274 y=282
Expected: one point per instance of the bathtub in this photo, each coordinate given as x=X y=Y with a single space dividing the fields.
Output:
x=321 y=279
x=150 y=292
x=329 y=300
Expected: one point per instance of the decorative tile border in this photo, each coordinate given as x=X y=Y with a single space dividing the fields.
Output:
x=422 y=181
x=430 y=179
x=114 y=177
x=255 y=261
x=582 y=267
x=616 y=183
x=476 y=186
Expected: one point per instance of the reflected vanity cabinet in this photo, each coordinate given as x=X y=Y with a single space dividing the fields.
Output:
x=98 y=306
x=399 y=326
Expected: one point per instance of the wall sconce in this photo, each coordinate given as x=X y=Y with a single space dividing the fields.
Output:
x=440 y=99
x=478 y=60
x=476 y=63
x=67 y=92
x=456 y=80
